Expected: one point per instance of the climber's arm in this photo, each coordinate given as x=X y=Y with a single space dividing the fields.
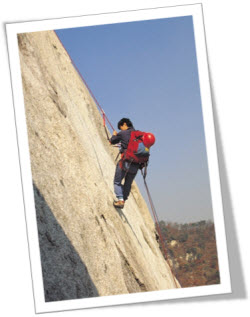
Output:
x=116 y=138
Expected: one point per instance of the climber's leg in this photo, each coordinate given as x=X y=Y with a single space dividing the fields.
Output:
x=118 y=187
x=127 y=185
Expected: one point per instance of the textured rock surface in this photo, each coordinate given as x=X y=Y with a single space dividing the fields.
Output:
x=87 y=247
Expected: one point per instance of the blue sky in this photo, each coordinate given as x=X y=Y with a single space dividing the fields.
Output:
x=147 y=71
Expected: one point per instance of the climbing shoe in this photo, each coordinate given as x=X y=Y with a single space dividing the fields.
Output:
x=119 y=203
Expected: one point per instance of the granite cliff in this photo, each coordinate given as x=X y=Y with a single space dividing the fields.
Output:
x=87 y=247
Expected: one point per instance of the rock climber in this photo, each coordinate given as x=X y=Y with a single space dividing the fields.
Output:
x=124 y=169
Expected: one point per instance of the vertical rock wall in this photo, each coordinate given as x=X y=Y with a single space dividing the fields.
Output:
x=87 y=247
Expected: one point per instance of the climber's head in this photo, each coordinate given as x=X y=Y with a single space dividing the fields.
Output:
x=124 y=124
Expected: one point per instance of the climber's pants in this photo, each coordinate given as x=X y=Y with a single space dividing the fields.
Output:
x=122 y=191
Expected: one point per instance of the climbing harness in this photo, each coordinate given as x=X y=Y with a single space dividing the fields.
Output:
x=128 y=167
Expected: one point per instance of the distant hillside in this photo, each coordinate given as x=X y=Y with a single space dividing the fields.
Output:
x=192 y=252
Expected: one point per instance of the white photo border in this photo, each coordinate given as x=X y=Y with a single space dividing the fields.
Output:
x=195 y=11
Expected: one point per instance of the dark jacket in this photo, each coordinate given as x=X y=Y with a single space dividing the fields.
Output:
x=124 y=136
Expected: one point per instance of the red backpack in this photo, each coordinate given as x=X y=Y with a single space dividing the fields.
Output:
x=136 y=151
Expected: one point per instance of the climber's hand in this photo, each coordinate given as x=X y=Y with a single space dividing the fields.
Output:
x=114 y=132
x=141 y=166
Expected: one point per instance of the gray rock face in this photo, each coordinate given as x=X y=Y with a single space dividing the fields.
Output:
x=65 y=276
x=87 y=247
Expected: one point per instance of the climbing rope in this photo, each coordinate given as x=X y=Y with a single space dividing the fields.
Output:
x=162 y=243
x=155 y=216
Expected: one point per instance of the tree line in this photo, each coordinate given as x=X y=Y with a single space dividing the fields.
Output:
x=192 y=252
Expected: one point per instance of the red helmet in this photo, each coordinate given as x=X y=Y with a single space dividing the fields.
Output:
x=148 y=139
